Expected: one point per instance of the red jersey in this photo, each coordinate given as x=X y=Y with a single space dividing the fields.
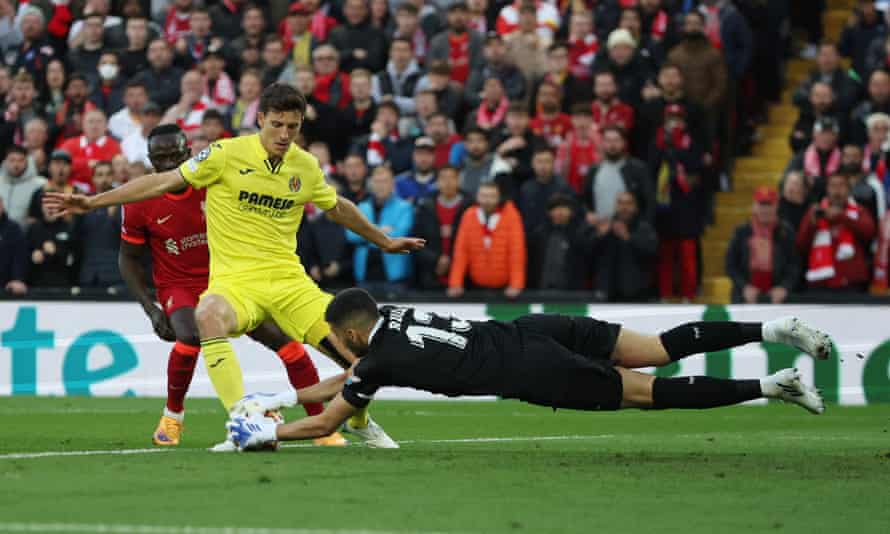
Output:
x=459 y=56
x=574 y=158
x=555 y=130
x=447 y=214
x=176 y=232
x=617 y=114
x=176 y=25
x=85 y=155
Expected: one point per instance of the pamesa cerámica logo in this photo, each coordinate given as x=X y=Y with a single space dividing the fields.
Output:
x=25 y=341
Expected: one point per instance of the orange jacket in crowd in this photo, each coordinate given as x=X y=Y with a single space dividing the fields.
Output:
x=494 y=258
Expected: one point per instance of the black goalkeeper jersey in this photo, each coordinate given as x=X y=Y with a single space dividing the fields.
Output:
x=412 y=348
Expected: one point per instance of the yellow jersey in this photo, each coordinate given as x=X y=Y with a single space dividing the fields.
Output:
x=254 y=207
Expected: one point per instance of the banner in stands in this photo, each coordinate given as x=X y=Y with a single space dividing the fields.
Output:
x=108 y=349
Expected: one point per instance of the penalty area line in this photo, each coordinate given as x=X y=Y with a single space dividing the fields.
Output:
x=102 y=528
x=122 y=452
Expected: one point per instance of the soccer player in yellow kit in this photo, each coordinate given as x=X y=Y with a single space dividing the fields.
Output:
x=257 y=186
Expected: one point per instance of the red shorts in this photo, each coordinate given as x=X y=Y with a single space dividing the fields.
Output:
x=175 y=297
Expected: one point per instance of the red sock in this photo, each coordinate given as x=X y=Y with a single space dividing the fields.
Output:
x=301 y=372
x=180 y=368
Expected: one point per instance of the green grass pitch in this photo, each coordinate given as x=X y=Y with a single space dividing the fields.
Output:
x=464 y=467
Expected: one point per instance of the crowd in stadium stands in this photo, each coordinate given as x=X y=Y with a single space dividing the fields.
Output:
x=535 y=144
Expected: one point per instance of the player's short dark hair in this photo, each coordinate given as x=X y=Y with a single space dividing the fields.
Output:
x=282 y=97
x=164 y=129
x=351 y=306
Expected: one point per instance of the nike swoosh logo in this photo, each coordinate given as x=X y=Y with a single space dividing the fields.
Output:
x=162 y=220
x=217 y=362
x=245 y=171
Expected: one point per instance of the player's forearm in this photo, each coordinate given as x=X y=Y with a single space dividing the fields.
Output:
x=316 y=426
x=324 y=391
x=148 y=186
x=346 y=213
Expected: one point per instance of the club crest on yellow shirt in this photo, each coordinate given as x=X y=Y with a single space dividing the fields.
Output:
x=295 y=184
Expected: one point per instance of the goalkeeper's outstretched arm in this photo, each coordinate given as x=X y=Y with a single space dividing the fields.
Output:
x=317 y=426
x=148 y=186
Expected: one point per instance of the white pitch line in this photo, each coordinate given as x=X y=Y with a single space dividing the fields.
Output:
x=60 y=454
x=102 y=528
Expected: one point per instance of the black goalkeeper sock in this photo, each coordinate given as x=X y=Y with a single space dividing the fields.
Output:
x=702 y=392
x=695 y=338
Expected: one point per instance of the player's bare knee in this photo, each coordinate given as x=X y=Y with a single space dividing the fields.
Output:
x=211 y=318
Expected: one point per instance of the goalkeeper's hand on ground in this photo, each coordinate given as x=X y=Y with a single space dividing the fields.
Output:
x=251 y=432
x=260 y=403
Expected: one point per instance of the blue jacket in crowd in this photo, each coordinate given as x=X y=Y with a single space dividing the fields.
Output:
x=398 y=215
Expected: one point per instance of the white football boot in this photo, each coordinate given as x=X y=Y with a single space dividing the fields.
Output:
x=792 y=331
x=786 y=385
x=372 y=435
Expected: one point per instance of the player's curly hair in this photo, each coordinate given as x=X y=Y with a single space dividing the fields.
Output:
x=282 y=97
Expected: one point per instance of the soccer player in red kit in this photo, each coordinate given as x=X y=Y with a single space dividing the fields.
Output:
x=173 y=228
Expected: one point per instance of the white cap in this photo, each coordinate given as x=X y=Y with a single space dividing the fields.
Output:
x=621 y=36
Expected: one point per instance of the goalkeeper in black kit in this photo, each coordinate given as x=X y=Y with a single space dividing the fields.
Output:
x=551 y=360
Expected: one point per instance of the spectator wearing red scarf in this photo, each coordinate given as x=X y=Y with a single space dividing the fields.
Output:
x=834 y=238
x=331 y=85
x=176 y=25
x=580 y=152
x=675 y=161
x=762 y=258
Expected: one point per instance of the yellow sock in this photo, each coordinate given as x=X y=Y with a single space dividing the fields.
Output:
x=360 y=419
x=224 y=370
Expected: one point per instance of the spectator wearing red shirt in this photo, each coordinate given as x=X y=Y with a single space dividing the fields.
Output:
x=834 y=238
x=461 y=46
x=607 y=109
x=438 y=129
x=93 y=146
x=580 y=152
x=549 y=122
x=583 y=44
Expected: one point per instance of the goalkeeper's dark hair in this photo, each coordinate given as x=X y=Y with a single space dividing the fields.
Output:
x=164 y=129
x=282 y=97
x=353 y=306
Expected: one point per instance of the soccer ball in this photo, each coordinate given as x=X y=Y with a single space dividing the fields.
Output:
x=249 y=407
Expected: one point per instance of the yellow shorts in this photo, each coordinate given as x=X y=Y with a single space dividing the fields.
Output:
x=295 y=304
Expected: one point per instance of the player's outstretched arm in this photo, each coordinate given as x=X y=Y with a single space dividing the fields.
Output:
x=347 y=214
x=148 y=186
x=323 y=424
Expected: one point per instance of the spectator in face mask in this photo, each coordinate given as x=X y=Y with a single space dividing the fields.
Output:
x=108 y=94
